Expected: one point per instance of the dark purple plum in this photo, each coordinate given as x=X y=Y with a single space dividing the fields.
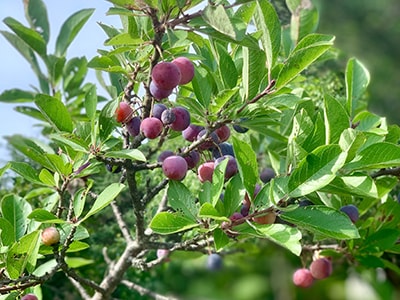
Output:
x=151 y=127
x=175 y=167
x=223 y=149
x=192 y=159
x=168 y=117
x=157 y=92
x=191 y=132
x=158 y=109
x=223 y=133
x=214 y=262
x=133 y=126
x=267 y=174
x=29 y=297
x=186 y=68
x=321 y=268
x=231 y=167
x=351 y=211
x=182 y=119
x=163 y=155
x=166 y=75
x=210 y=142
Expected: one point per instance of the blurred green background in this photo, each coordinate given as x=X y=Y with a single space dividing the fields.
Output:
x=369 y=30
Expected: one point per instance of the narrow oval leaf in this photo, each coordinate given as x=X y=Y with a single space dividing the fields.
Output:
x=32 y=38
x=181 y=199
x=36 y=13
x=15 y=210
x=247 y=164
x=336 y=120
x=26 y=171
x=55 y=112
x=105 y=198
x=316 y=170
x=44 y=216
x=266 y=20
x=323 y=220
x=209 y=211
x=306 y=52
x=70 y=29
x=16 y=96
x=218 y=19
x=168 y=223
x=357 y=79
x=376 y=156
x=134 y=154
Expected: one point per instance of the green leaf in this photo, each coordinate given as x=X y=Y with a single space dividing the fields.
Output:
x=336 y=119
x=29 y=55
x=253 y=71
x=23 y=254
x=227 y=68
x=75 y=71
x=316 y=170
x=77 y=246
x=70 y=29
x=36 y=13
x=350 y=141
x=47 y=178
x=218 y=180
x=218 y=19
x=44 y=216
x=283 y=235
x=26 y=171
x=91 y=102
x=168 y=223
x=181 y=199
x=322 y=220
x=32 y=38
x=16 y=96
x=306 y=52
x=209 y=211
x=133 y=154
x=104 y=199
x=357 y=80
x=376 y=156
x=304 y=18
x=362 y=186
x=7 y=232
x=266 y=20
x=380 y=241
x=60 y=163
x=70 y=141
x=105 y=63
x=79 y=201
x=220 y=239
x=15 y=210
x=78 y=262
x=55 y=112
x=202 y=86
x=247 y=164
x=233 y=195
x=125 y=38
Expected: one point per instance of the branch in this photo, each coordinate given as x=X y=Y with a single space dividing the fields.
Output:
x=121 y=223
x=146 y=292
x=390 y=172
x=268 y=90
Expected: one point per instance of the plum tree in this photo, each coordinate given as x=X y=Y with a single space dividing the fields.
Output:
x=151 y=127
x=175 y=167
x=321 y=268
x=50 y=236
x=303 y=278
x=250 y=72
x=186 y=69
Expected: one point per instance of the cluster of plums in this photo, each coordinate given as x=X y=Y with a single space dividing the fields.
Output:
x=320 y=268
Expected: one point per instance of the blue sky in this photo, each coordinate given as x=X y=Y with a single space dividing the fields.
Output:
x=15 y=72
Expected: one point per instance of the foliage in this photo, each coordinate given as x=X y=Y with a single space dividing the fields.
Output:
x=250 y=70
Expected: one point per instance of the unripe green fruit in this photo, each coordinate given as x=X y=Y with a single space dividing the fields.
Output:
x=50 y=236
